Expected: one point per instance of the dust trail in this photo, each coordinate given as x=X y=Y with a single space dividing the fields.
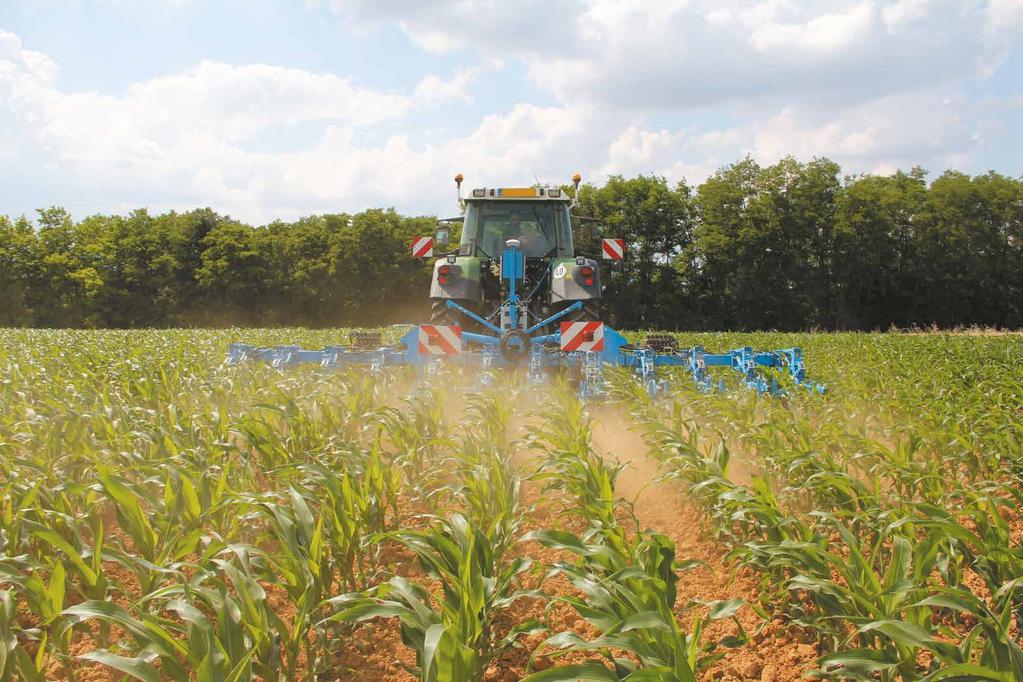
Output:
x=659 y=505
x=665 y=507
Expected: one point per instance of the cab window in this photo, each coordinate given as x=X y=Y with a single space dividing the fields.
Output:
x=538 y=225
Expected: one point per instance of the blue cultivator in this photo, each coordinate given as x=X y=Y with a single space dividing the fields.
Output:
x=514 y=336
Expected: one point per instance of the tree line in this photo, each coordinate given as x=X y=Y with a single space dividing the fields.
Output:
x=786 y=246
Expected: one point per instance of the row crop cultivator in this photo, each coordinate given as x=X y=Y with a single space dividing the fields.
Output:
x=428 y=347
x=536 y=306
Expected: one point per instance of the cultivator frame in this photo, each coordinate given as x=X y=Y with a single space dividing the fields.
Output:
x=581 y=348
x=586 y=367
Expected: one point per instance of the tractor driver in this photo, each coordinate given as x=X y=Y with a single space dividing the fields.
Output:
x=517 y=229
x=514 y=225
x=534 y=242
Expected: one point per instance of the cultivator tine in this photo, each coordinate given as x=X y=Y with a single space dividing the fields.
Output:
x=747 y=364
x=793 y=359
x=698 y=368
x=330 y=356
x=537 y=374
x=486 y=375
x=646 y=368
x=239 y=353
x=592 y=384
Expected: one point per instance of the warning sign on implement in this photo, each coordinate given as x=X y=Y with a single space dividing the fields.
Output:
x=439 y=340
x=582 y=336
x=422 y=247
x=614 y=249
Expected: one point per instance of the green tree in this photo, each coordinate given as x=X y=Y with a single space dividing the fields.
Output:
x=234 y=276
x=764 y=245
x=373 y=279
x=648 y=288
x=877 y=267
x=17 y=262
x=969 y=244
x=784 y=246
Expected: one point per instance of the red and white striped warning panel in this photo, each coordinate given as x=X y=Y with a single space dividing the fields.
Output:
x=584 y=336
x=614 y=249
x=439 y=340
x=422 y=247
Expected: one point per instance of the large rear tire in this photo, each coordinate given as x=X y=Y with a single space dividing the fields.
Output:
x=441 y=314
x=590 y=312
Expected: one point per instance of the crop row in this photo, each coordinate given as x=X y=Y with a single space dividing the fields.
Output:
x=891 y=534
x=169 y=518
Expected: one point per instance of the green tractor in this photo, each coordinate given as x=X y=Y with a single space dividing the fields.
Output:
x=537 y=220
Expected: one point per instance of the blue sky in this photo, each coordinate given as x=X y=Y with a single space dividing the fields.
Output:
x=271 y=109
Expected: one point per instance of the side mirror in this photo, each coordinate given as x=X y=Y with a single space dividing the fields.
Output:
x=443 y=235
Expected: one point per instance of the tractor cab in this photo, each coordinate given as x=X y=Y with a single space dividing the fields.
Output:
x=541 y=223
x=468 y=288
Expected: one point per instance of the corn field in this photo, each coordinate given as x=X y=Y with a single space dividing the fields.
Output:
x=166 y=517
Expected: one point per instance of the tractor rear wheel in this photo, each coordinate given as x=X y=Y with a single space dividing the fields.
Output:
x=440 y=313
x=590 y=312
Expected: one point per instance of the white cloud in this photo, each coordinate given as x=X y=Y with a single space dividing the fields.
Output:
x=197 y=138
x=433 y=89
x=1005 y=15
x=677 y=88
x=516 y=146
x=902 y=12
x=901 y=130
x=671 y=54
x=670 y=154
x=829 y=32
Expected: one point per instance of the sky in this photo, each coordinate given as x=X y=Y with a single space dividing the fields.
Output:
x=275 y=109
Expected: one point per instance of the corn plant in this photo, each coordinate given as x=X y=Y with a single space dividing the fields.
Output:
x=137 y=448
x=214 y=633
x=302 y=566
x=630 y=598
x=419 y=439
x=15 y=661
x=628 y=582
x=357 y=507
x=456 y=639
x=1001 y=654
x=161 y=538
x=1000 y=658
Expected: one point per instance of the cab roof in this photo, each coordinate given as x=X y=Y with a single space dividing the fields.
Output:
x=528 y=193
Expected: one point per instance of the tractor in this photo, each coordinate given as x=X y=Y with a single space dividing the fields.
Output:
x=537 y=221
x=516 y=292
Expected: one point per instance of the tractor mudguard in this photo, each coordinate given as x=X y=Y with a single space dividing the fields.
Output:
x=462 y=282
x=567 y=281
